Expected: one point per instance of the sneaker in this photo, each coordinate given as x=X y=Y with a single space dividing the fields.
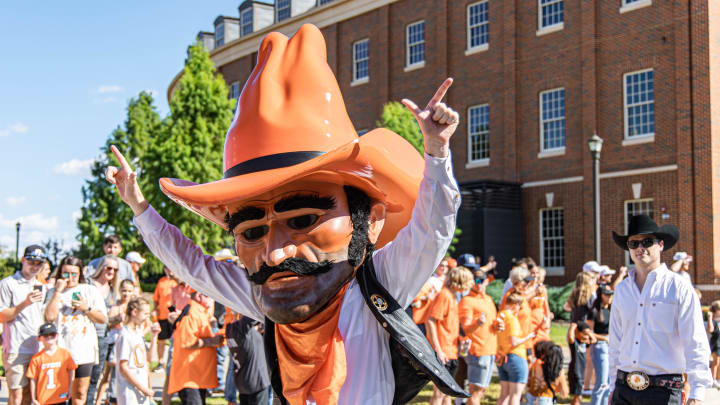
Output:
x=160 y=368
x=587 y=393
x=716 y=384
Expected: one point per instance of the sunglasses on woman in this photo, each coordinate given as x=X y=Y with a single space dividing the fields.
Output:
x=646 y=243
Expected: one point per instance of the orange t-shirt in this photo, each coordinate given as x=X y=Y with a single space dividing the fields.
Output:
x=444 y=310
x=420 y=312
x=512 y=328
x=539 y=310
x=162 y=296
x=193 y=368
x=52 y=373
x=483 y=338
x=523 y=315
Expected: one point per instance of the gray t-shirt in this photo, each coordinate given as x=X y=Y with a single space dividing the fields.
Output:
x=20 y=334
x=248 y=354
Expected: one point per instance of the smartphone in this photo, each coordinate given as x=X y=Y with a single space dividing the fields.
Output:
x=76 y=295
x=38 y=288
x=171 y=308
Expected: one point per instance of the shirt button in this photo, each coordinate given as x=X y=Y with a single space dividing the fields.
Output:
x=641 y=304
x=634 y=361
x=638 y=323
x=637 y=343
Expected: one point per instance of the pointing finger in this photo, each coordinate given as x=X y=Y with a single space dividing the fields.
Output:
x=121 y=159
x=440 y=93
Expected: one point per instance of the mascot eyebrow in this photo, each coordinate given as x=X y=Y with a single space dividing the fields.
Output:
x=289 y=203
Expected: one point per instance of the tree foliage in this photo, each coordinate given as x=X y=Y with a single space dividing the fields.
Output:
x=400 y=120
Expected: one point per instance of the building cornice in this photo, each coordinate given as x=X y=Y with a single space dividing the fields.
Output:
x=322 y=16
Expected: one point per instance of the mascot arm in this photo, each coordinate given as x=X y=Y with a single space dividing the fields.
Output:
x=224 y=282
x=404 y=265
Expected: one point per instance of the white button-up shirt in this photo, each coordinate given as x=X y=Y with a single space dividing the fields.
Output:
x=402 y=267
x=20 y=334
x=659 y=330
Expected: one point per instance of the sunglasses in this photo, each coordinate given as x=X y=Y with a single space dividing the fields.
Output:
x=68 y=275
x=646 y=243
x=110 y=268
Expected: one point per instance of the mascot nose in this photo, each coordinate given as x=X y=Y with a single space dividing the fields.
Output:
x=279 y=248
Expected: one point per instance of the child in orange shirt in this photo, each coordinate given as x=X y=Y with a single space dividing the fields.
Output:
x=546 y=381
x=50 y=371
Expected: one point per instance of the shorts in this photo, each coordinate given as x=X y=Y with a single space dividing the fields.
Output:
x=451 y=366
x=84 y=370
x=480 y=369
x=533 y=400
x=165 y=329
x=15 y=369
x=514 y=369
x=576 y=368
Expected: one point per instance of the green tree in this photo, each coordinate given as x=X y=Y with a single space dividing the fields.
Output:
x=400 y=120
x=103 y=212
x=190 y=146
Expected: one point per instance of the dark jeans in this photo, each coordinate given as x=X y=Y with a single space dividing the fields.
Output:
x=624 y=395
x=258 y=398
x=97 y=369
x=192 y=396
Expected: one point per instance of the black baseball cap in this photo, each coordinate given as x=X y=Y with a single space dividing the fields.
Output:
x=35 y=252
x=468 y=261
x=47 y=329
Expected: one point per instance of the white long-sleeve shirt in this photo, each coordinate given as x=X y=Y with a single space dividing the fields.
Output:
x=402 y=267
x=659 y=330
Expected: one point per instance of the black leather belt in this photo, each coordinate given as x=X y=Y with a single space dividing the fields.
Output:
x=639 y=381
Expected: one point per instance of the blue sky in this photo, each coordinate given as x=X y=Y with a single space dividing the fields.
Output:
x=67 y=71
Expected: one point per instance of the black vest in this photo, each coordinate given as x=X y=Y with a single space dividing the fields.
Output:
x=414 y=362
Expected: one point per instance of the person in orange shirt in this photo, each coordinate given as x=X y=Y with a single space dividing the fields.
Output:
x=51 y=370
x=540 y=315
x=194 y=364
x=477 y=315
x=521 y=279
x=421 y=304
x=546 y=381
x=443 y=326
x=511 y=352
x=162 y=301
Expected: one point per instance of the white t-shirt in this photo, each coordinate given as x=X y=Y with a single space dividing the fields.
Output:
x=76 y=330
x=130 y=346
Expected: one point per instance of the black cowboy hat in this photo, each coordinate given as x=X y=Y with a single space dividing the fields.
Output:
x=644 y=225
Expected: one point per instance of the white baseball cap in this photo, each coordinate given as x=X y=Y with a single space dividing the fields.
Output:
x=606 y=270
x=680 y=256
x=224 y=254
x=591 y=267
x=135 y=257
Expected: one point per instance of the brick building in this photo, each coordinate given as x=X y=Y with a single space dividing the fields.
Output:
x=534 y=80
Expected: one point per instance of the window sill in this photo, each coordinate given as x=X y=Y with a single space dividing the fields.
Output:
x=359 y=81
x=551 y=153
x=415 y=66
x=634 y=6
x=636 y=140
x=555 y=271
x=550 y=29
x=478 y=163
x=477 y=49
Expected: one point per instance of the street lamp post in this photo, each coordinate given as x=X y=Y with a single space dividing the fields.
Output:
x=595 y=145
x=17 y=245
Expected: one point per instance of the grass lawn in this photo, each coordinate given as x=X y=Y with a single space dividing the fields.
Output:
x=558 y=333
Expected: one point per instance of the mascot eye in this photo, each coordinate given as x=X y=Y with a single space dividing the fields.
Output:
x=302 y=221
x=255 y=233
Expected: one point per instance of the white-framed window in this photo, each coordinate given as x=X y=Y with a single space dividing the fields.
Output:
x=479 y=133
x=552 y=239
x=246 y=21
x=630 y=5
x=639 y=104
x=552 y=120
x=361 y=61
x=220 y=34
x=642 y=206
x=323 y=2
x=478 y=25
x=415 y=44
x=234 y=90
x=282 y=8
x=550 y=13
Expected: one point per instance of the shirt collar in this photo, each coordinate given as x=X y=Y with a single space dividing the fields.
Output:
x=22 y=280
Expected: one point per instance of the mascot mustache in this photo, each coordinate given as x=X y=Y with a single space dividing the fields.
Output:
x=301 y=267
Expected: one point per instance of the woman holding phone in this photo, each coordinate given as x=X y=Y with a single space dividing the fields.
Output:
x=75 y=306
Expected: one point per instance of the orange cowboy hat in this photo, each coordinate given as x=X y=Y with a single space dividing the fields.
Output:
x=291 y=124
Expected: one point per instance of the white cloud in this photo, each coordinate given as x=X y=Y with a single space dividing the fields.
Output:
x=74 y=167
x=16 y=128
x=154 y=93
x=32 y=222
x=15 y=201
x=110 y=88
x=76 y=215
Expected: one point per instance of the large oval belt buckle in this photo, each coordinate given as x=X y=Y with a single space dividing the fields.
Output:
x=637 y=380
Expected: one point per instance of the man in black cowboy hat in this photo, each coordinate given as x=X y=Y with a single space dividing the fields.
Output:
x=656 y=328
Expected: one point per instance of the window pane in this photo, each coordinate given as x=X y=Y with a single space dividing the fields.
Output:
x=479 y=132
x=552 y=237
x=416 y=43
x=478 y=25
x=640 y=103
